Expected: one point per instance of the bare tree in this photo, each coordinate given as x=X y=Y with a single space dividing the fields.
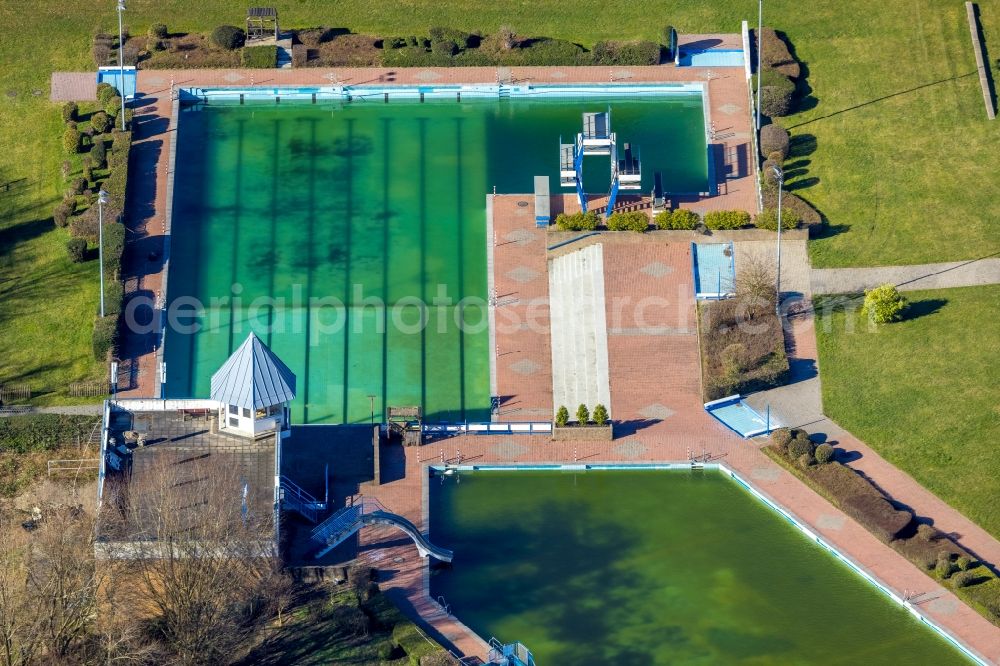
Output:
x=755 y=286
x=197 y=552
x=506 y=37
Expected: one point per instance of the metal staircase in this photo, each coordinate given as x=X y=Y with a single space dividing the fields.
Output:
x=293 y=498
x=368 y=511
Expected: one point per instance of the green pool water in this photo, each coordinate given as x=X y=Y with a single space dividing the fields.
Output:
x=656 y=567
x=322 y=228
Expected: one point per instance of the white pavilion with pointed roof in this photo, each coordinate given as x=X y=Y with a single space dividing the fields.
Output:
x=253 y=389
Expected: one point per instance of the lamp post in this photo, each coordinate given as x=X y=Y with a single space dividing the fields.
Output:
x=760 y=28
x=371 y=403
x=102 y=198
x=780 y=177
x=121 y=62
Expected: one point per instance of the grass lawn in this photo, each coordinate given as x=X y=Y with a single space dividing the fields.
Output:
x=896 y=152
x=924 y=393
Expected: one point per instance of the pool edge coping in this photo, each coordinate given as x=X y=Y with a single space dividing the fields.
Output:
x=774 y=505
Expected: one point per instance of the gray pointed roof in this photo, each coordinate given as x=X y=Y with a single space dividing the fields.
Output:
x=253 y=377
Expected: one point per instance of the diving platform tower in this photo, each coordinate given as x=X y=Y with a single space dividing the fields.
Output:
x=596 y=138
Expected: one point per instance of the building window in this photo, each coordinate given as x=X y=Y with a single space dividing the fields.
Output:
x=246 y=413
x=233 y=409
x=235 y=423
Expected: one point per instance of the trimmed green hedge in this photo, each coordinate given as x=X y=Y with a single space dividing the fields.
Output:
x=611 y=52
x=681 y=218
x=43 y=432
x=577 y=221
x=727 y=219
x=105 y=338
x=768 y=219
x=260 y=57
x=635 y=221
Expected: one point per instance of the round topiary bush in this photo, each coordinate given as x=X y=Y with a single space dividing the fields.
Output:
x=964 y=562
x=71 y=140
x=76 y=249
x=582 y=415
x=158 y=30
x=99 y=154
x=60 y=215
x=100 y=122
x=801 y=445
x=228 y=37
x=600 y=415
x=105 y=91
x=445 y=47
x=963 y=579
x=824 y=453
x=884 y=304
x=805 y=460
x=69 y=111
x=113 y=106
x=773 y=139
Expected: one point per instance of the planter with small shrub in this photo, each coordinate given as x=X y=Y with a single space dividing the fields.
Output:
x=562 y=417
x=583 y=429
x=635 y=221
x=727 y=219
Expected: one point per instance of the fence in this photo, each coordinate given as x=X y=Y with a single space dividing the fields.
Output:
x=89 y=389
x=73 y=466
x=15 y=393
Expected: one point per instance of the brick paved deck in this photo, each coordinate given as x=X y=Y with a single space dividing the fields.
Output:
x=73 y=87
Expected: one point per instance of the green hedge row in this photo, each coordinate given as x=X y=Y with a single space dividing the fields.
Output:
x=634 y=221
x=679 y=218
x=105 y=335
x=577 y=221
x=43 y=432
x=727 y=219
x=929 y=549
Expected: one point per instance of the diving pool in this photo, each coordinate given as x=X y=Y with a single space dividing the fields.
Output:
x=351 y=237
x=656 y=567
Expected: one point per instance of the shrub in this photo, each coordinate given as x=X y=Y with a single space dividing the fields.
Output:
x=963 y=562
x=963 y=579
x=120 y=142
x=228 y=37
x=259 y=57
x=944 y=567
x=98 y=153
x=582 y=415
x=884 y=304
x=611 y=52
x=727 y=219
x=505 y=38
x=43 y=432
x=681 y=218
x=808 y=216
x=774 y=53
x=60 y=215
x=600 y=415
x=444 y=48
x=873 y=511
x=824 y=453
x=88 y=169
x=394 y=42
x=113 y=106
x=562 y=417
x=78 y=185
x=799 y=446
x=768 y=219
x=105 y=337
x=635 y=221
x=158 y=30
x=667 y=40
x=114 y=246
x=776 y=101
x=780 y=438
x=805 y=461
x=100 y=122
x=774 y=139
x=577 y=221
x=458 y=38
x=76 y=249
x=71 y=140
x=69 y=111
x=105 y=91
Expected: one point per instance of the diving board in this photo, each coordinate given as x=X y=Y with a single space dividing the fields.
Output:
x=543 y=215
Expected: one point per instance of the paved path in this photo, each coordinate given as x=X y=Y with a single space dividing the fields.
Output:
x=74 y=410
x=906 y=278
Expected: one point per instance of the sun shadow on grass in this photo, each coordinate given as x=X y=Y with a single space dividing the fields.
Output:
x=923 y=308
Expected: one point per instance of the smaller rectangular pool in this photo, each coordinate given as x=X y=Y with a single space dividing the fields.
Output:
x=712 y=58
x=714 y=266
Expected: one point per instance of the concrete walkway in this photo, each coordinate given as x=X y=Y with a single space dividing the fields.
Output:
x=72 y=410
x=906 y=278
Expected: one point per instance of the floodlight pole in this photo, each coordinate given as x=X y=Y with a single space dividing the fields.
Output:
x=371 y=403
x=777 y=293
x=760 y=28
x=121 y=62
x=102 y=198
